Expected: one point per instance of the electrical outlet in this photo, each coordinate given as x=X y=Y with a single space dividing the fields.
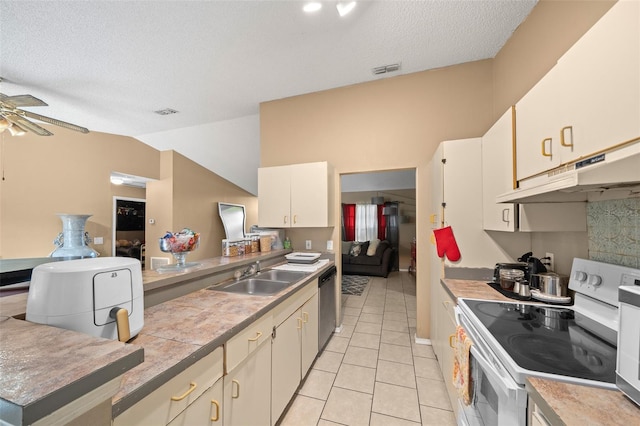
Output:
x=98 y=240
x=552 y=263
x=307 y=244
x=329 y=245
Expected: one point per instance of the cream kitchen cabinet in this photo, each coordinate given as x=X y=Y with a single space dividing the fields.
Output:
x=206 y=410
x=498 y=177
x=247 y=390
x=445 y=330
x=296 y=196
x=177 y=396
x=294 y=346
x=590 y=100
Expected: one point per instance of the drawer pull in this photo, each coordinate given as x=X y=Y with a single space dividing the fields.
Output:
x=192 y=387
x=258 y=335
x=237 y=394
x=284 y=219
x=305 y=317
x=295 y=218
x=544 y=147
x=216 y=417
x=453 y=336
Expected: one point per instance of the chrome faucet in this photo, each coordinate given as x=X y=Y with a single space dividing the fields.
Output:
x=247 y=272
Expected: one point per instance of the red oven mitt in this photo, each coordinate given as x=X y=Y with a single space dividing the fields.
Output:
x=446 y=243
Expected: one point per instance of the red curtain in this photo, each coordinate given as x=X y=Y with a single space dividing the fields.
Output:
x=349 y=222
x=382 y=223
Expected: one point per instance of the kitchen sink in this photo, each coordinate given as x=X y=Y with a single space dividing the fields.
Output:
x=254 y=286
x=279 y=275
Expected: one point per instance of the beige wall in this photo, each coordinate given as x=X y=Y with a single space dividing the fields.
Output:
x=69 y=173
x=195 y=192
x=64 y=173
x=397 y=122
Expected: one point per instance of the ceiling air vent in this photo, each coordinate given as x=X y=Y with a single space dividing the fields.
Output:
x=166 y=111
x=385 y=69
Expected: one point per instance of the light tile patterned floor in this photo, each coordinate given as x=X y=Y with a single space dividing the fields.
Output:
x=373 y=372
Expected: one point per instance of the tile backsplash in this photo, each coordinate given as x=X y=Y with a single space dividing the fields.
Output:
x=613 y=228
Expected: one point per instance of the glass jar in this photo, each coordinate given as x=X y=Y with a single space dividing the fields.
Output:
x=509 y=277
x=247 y=246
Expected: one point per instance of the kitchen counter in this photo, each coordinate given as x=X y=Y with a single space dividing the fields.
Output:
x=176 y=333
x=568 y=404
x=565 y=403
x=44 y=368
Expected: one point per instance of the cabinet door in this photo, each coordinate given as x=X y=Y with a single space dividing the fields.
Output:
x=447 y=329
x=309 y=342
x=247 y=390
x=310 y=195
x=285 y=363
x=274 y=197
x=206 y=410
x=538 y=124
x=498 y=174
x=601 y=87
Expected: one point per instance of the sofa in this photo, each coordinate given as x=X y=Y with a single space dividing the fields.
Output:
x=357 y=261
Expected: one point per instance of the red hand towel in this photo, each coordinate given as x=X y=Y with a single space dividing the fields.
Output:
x=446 y=243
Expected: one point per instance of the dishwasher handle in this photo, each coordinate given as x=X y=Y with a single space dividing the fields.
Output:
x=327 y=276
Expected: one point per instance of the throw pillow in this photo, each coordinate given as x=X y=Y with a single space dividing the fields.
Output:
x=355 y=249
x=346 y=246
x=373 y=245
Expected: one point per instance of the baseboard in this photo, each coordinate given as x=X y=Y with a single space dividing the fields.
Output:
x=421 y=341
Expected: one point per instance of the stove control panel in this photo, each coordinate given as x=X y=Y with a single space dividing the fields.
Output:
x=601 y=280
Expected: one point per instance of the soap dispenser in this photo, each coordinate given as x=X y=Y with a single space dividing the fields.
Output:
x=287 y=243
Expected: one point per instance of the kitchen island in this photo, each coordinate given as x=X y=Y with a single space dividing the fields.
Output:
x=179 y=331
x=561 y=403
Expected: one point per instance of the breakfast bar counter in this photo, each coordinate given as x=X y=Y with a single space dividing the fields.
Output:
x=176 y=334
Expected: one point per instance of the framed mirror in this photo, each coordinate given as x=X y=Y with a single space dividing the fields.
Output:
x=233 y=220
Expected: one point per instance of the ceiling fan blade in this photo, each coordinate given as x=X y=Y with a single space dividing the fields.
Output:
x=27 y=125
x=22 y=100
x=54 y=121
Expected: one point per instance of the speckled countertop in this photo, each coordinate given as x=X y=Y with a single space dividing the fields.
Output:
x=43 y=368
x=176 y=334
x=566 y=404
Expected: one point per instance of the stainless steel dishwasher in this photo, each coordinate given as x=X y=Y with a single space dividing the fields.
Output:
x=327 y=306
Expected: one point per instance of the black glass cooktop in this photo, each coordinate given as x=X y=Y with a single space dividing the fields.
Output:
x=549 y=339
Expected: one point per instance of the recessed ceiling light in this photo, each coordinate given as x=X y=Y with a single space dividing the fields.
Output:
x=312 y=6
x=345 y=8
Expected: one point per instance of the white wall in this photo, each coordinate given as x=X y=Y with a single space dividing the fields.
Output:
x=230 y=148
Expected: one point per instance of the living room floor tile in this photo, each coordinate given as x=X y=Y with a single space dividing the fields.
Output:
x=361 y=356
x=348 y=407
x=408 y=387
x=303 y=411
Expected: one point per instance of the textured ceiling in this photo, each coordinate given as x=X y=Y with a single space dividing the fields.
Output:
x=107 y=65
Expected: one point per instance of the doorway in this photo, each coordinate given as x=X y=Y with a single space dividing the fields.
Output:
x=128 y=239
x=396 y=190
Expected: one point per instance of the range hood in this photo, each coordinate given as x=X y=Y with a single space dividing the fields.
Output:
x=615 y=170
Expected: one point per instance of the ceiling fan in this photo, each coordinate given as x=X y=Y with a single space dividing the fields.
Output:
x=17 y=120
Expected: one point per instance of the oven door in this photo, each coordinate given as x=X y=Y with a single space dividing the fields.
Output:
x=498 y=400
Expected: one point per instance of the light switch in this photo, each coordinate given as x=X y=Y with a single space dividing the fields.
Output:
x=329 y=245
x=308 y=244
x=98 y=240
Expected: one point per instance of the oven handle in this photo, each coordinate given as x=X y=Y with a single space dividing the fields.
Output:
x=494 y=372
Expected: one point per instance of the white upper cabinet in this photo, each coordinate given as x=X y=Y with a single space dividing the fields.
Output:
x=296 y=196
x=589 y=102
x=498 y=175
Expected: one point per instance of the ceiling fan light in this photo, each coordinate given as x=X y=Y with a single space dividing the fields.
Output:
x=312 y=6
x=117 y=180
x=4 y=124
x=344 y=8
x=16 y=131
